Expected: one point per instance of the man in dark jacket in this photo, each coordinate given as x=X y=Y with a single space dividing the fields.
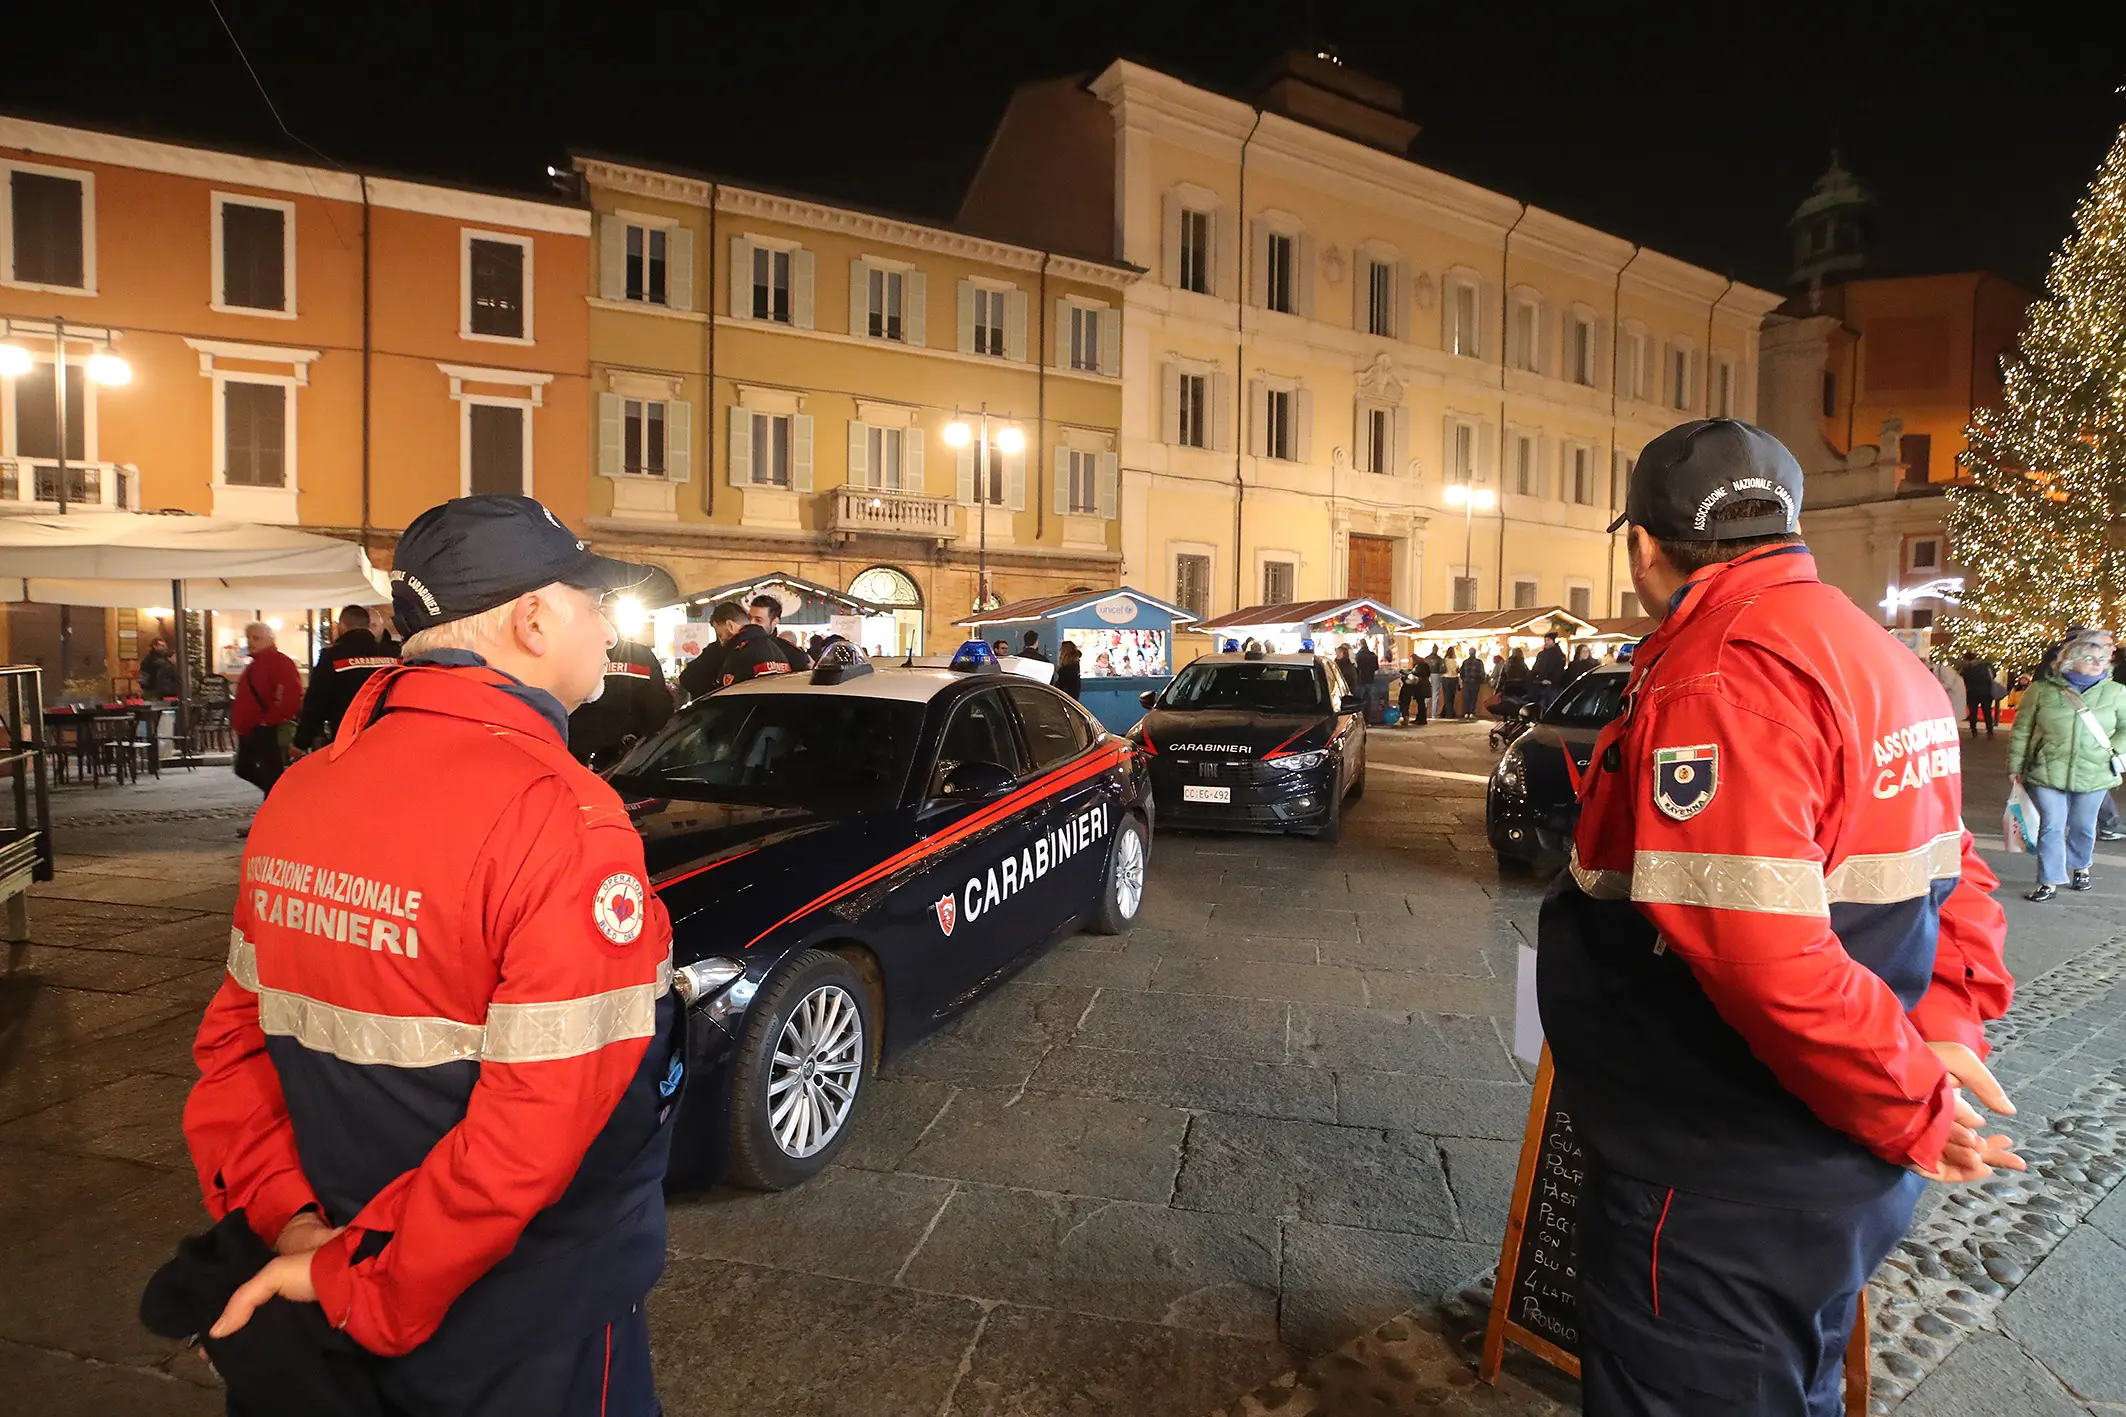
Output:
x=1979 y=703
x=766 y=612
x=752 y=653
x=633 y=704
x=339 y=675
x=1549 y=670
x=704 y=672
x=1472 y=682
x=1030 y=647
x=158 y=672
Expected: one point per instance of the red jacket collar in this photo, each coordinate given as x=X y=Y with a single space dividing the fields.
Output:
x=474 y=693
x=1730 y=581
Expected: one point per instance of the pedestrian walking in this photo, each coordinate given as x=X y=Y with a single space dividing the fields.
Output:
x=262 y=711
x=632 y=703
x=1070 y=670
x=2065 y=749
x=338 y=675
x=1952 y=687
x=1472 y=683
x=438 y=1076
x=1418 y=689
x=1760 y=1106
x=703 y=674
x=1981 y=698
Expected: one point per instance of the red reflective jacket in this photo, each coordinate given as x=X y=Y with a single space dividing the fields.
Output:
x=445 y=1020
x=1773 y=904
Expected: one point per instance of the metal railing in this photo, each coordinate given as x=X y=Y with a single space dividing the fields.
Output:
x=34 y=482
x=26 y=845
x=863 y=509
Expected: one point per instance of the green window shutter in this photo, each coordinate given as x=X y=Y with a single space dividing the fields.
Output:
x=966 y=316
x=1015 y=326
x=859 y=453
x=964 y=492
x=609 y=434
x=679 y=268
x=859 y=298
x=1061 y=464
x=612 y=258
x=915 y=308
x=801 y=290
x=912 y=461
x=1110 y=325
x=740 y=462
x=1109 y=477
x=678 y=440
x=741 y=278
x=1015 y=480
x=801 y=452
x=1062 y=335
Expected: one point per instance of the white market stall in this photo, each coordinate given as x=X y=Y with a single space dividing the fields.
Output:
x=1322 y=625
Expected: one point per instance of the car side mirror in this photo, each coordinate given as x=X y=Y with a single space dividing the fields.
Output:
x=1147 y=698
x=975 y=780
x=1348 y=704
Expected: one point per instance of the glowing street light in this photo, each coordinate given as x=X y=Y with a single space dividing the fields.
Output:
x=1471 y=499
x=15 y=361
x=107 y=368
x=1009 y=439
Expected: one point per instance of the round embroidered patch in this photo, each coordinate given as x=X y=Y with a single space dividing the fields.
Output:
x=617 y=907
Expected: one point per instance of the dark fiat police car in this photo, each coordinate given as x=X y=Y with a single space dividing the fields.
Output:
x=1255 y=742
x=1534 y=799
x=850 y=857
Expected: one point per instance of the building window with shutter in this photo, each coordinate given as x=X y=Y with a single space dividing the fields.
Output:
x=1527 y=325
x=1195 y=271
x=497 y=448
x=1925 y=555
x=1579 y=599
x=771 y=285
x=254 y=243
x=642 y=436
x=647 y=276
x=1085 y=338
x=988 y=321
x=883 y=313
x=882 y=458
x=254 y=434
x=1461 y=454
x=1278 y=579
x=1524 y=470
x=497 y=275
x=1280 y=254
x=1583 y=476
x=1376 y=446
x=1462 y=318
x=1679 y=379
x=1192 y=583
x=1524 y=595
x=1193 y=424
x=48 y=224
x=770 y=449
x=1277 y=432
x=1081 y=473
x=1582 y=352
x=1465 y=592
x=1380 y=299
x=1628 y=605
x=1635 y=365
x=1724 y=388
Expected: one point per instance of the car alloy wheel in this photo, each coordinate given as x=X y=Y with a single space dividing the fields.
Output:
x=817 y=1068
x=1122 y=883
x=1129 y=874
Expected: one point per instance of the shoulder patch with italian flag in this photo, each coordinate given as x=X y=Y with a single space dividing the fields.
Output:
x=1686 y=778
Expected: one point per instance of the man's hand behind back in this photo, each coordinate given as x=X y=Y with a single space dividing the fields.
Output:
x=1970 y=1155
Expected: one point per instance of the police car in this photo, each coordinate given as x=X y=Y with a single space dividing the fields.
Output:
x=1255 y=742
x=1533 y=801
x=850 y=858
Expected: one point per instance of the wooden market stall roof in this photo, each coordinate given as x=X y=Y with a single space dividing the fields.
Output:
x=1049 y=607
x=1526 y=620
x=1629 y=629
x=1306 y=612
x=743 y=591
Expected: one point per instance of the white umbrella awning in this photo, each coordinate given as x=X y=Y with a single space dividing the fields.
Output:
x=113 y=558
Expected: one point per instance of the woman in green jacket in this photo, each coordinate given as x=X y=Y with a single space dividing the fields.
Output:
x=2070 y=729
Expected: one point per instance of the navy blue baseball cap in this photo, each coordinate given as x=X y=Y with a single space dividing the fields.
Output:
x=474 y=553
x=1685 y=474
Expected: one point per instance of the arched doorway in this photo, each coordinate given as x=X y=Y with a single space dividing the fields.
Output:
x=893 y=589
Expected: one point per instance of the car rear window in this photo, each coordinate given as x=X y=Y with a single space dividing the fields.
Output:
x=1257 y=688
x=832 y=751
x=1590 y=701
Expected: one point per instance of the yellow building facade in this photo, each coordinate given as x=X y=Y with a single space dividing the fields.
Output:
x=773 y=379
x=1333 y=344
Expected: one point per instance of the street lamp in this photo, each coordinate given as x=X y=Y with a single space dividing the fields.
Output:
x=1471 y=499
x=1009 y=439
x=102 y=367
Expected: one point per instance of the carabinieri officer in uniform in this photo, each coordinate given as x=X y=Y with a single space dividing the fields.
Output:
x=439 y=1074
x=1767 y=974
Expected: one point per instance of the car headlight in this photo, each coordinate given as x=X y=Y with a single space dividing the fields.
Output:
x=702 y=980
x=1511 y=775
x=1300 y=762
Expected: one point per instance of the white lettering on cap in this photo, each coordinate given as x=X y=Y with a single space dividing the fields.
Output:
x=1721 y=493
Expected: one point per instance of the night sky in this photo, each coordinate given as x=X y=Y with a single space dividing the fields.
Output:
x=1692 y=130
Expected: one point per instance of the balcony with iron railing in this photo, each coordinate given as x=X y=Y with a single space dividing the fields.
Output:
x=876 y=512
x=32 y=485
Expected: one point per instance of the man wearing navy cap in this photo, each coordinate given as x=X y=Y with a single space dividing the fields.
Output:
x=1765 y=979
x=438 y=1075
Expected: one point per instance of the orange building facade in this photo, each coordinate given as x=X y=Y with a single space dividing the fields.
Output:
x=306 y=346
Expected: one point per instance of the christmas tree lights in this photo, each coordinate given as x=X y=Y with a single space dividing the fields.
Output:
x=2041 y=525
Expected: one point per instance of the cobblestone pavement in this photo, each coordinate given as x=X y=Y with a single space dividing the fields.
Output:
x=1228 y=1163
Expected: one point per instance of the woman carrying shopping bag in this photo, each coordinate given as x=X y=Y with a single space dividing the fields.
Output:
x=2066 y=751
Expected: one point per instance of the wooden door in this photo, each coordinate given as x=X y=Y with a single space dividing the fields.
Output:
x=1372 y=568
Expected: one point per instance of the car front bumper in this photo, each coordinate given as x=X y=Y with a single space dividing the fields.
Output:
x=1261 y=798
x=1523 y=831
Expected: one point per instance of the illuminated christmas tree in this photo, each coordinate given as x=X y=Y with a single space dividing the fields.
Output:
x=2041 y=528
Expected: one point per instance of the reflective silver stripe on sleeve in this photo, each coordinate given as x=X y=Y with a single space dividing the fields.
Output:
x=352 y=1036
x=1602 y=885
x=1885 y=878
x=1769 y=885
x=569 y=1028
x=243 y=960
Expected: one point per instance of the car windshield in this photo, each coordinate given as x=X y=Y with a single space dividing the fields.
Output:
x=833 y=751
x=1258 y=688
x=1591 y=701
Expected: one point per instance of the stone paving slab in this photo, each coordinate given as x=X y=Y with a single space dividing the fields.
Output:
x=1192 y=1081
x=1252 y=1030
x=848 y=1224
x=1354 y=1176
x=65 y=1385
x=1030 y=1361
x=1991 y=1377
x=1450 y=1107
x=2071 y=1315
x=1250 y=979
x=1397 y=1041
x=1067 y=1143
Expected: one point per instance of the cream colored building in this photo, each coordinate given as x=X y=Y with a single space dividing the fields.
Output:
x=772 y=380
x=1331 y=336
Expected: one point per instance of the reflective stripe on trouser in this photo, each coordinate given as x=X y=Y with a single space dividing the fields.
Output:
x=1756 y=1302
x=513 y=1033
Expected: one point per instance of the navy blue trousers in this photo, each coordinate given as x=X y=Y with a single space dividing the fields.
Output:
x=1691 y=1305
x=606 y=1374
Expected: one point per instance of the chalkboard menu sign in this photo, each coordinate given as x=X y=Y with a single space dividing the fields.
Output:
x=1536 y=1302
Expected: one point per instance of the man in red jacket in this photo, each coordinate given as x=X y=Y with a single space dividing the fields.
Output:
x=1766 y=977
x=268 y=695
x=438 y=1076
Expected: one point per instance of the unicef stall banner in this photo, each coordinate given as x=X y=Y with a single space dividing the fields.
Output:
x=1120 y=654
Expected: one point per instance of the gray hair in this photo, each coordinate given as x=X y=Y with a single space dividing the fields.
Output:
x=261 y=626
x=2090 y=649
x=476 y=632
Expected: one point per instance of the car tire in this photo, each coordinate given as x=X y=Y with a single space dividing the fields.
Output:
x=1357 y=789
x=1332 y=830
x=802 y=1012
x=1514 y=866
x=1122 y=884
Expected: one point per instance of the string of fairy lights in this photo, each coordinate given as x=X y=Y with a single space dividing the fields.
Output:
x=2041 y=524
